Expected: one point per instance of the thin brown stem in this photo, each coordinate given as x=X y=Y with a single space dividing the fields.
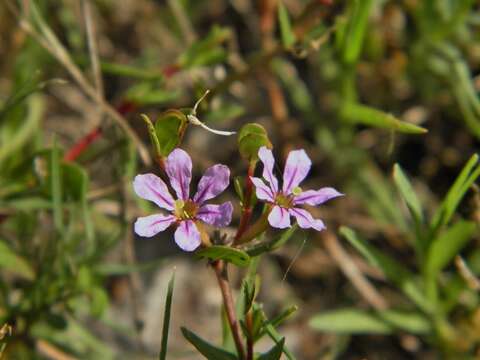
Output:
x=222 y=278
x=249 y=325
x=92 y=46
x=351 y=271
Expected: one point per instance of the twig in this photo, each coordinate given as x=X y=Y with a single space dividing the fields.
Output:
x=351 y=271
x=52 y=352
x=92 y=47
x=222 y=278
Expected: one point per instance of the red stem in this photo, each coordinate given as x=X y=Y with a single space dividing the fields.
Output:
x=222 y=277
x=83 y=144
x=247 y=206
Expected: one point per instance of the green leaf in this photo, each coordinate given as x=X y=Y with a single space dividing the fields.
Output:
x=356 y=30
x=444 y=248
x=28 y=129
x=412 y=322
x=14 y=263
x=393 y=270
x=277 y=320
x=153 y=135
x=288 y=36
x=468 y=175
x=148 y=93
x=406 y=190
x=56 y=188
x=208 y=350
x=207 y=51
x=75 y=186
x=99 y=301
x=276 y=243
x=130 y=71
x=238 y=185
x=250 y=139
x=274 y=353
x=277 y=338
x=169 y=128
x=366 y=115
x=166 y=318
x=350 y=321
x=227 y=253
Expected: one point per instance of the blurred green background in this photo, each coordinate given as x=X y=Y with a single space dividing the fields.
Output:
x=383 y=96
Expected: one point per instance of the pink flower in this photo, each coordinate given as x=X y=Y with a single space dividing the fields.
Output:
x=185 y=211
x=285 y=202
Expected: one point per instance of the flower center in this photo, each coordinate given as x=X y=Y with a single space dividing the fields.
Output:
x=185 y=209
x=284 y=201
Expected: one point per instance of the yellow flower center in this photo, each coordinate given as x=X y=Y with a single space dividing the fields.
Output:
x=185 y=209
x=284 y=201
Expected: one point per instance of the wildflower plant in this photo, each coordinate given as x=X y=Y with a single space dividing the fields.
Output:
x=189 y=214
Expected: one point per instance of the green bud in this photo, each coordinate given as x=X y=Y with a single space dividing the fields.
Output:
x=250 y=139
x=169 y=129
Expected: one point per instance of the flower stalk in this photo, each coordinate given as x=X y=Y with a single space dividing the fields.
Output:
x=222 y=277
x=247 y=201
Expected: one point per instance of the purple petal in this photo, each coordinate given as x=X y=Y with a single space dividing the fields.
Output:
x=187 y=236
x=179 y=171
x=268 y=161
x=212 y=183
x=262 y=191
x=316 y=197
x=151 y=187
x=279 y=218
x=151 y=225
x=216 y=215
x=305 y=219
x=296 y=169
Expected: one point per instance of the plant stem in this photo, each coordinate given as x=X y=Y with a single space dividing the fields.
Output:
x=247 y=202
x=255 y=230
x=222 y=277
x=249 y=324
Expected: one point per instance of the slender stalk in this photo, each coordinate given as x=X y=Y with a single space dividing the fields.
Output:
x=255 y=230
x=247 y=202
x=222 y=278
x=249 y=324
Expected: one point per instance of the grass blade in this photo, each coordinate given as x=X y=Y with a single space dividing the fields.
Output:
x=468 y=175
x=392 y=270
x=166 y=318
x=366 y=115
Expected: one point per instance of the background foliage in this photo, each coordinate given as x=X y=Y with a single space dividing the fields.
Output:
x=383 y=95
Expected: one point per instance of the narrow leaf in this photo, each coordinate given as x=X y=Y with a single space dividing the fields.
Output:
x=468 y=175
x=227 y=253
x=288 y=37
x=350 y=321
x=412 y=322
x=408 y=194
x=444 y=248
x=166 y=318
x=366 y=115
x=393 y=270
x=274 y=353
x=276 y=243
x=13 y=263
x=205 y=348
